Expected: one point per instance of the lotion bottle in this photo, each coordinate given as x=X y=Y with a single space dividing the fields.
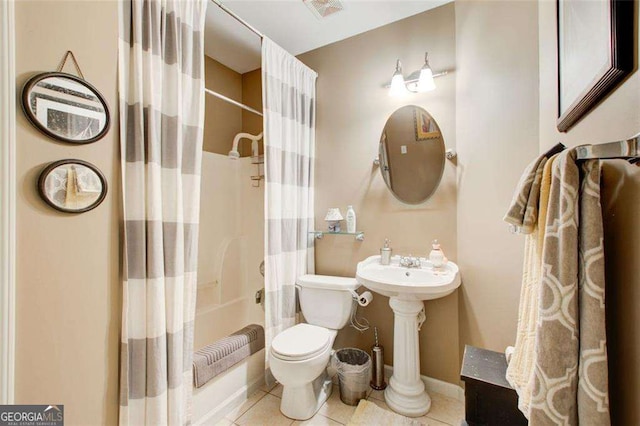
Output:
x=351 y=220
x=436 y=256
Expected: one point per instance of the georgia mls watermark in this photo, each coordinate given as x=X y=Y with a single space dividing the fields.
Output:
x=31 y=415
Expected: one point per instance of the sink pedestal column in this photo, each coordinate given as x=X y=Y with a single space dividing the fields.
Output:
x=406 y=394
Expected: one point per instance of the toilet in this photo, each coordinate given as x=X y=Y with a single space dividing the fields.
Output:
x=299 y=355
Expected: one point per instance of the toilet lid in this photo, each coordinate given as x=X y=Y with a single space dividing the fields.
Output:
x=301 y=341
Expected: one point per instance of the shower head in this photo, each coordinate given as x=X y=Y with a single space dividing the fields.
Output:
x=234 y=154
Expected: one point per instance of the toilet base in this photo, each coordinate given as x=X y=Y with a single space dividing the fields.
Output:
x=303 y=402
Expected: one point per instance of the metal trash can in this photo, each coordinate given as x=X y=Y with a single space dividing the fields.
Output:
x=354 y=373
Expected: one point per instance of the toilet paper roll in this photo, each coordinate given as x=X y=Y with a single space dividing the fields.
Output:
x=365 y=298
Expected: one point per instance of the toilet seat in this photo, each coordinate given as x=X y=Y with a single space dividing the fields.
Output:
x=301 y=342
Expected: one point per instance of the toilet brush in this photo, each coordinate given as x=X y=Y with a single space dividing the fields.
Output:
x=377 y=355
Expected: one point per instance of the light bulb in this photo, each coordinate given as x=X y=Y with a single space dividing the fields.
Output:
x=425 y=82
x=398 y=86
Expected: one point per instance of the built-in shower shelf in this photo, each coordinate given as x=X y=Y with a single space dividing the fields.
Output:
x=358 y=235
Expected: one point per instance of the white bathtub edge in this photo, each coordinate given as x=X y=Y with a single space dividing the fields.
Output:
x=249 y=375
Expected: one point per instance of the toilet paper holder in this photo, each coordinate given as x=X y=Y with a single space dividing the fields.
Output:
x=363 y=299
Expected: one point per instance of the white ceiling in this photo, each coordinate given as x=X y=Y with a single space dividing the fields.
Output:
x=292 y=25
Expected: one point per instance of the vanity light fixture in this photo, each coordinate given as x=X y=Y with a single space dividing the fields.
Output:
x=417 y=82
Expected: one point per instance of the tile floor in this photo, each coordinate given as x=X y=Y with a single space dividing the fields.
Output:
x=263 y=408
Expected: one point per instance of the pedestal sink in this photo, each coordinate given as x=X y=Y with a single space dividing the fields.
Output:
x=407 y=289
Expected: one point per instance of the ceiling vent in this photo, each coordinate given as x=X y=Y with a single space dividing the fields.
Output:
x=323 y=8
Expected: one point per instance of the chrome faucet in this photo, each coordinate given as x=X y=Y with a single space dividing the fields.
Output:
x=409 y=261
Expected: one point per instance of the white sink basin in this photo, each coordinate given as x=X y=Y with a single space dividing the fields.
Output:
x=423 y=283
x=406 y=289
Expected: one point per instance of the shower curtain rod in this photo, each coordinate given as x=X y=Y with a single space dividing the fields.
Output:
x=237 y=18
x=232 y=101
x=248 y=25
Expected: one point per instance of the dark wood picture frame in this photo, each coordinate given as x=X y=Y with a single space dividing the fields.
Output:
x=52 y=166
x=33 y=81
x=621 y=62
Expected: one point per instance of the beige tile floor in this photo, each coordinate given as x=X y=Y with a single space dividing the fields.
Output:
x=263 y=408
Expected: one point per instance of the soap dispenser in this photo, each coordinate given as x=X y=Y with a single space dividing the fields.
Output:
x=436 y=256
x=385 y=253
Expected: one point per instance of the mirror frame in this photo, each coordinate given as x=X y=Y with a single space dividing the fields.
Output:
x=26 y=90
x=384 y=166
x=51 y=166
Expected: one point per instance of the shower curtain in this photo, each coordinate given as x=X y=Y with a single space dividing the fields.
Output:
x=160 y=77
x=289 y=96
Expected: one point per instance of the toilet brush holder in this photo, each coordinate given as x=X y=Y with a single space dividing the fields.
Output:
x=377 y=360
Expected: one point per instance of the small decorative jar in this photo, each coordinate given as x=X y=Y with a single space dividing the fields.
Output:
x=333 y=219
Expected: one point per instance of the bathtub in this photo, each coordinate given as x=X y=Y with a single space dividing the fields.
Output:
x=213 y=401
x=231 y=247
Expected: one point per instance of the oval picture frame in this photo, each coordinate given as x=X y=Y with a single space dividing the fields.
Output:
x=44 y=193
x=63 y=108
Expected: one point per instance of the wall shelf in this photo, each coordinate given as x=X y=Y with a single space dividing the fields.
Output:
x=358 y=235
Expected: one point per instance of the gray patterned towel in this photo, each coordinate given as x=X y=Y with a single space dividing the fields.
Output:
x=523 y=212
x=570 y=366
x=218 y=357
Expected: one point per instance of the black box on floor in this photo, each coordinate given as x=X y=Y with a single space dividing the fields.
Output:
x=489 y=400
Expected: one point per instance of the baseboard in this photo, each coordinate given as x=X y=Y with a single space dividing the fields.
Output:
x=435 y=385
x=431 y=384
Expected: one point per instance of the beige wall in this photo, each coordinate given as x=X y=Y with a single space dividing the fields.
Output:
x=68 y=285
x=352 y=111
x=222 y=120
x=618 y=117
x=497 y=136
x=252 y=96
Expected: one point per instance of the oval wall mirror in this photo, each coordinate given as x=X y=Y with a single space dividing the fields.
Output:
x=412 y=154
x=72 y=186
x=65 y=107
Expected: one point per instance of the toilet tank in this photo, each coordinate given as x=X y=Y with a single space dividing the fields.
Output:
x=325 y=300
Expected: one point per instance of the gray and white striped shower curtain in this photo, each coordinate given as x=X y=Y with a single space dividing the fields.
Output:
x=289 y=96
x=161 y=83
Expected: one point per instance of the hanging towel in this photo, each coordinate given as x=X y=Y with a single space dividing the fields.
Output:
x=523 y=212
x=520 y=369
x=545 y=189
x=570 y=384
x=220 y=356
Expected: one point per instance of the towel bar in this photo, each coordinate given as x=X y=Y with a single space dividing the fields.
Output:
x=626 y=149
x=620 y=149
